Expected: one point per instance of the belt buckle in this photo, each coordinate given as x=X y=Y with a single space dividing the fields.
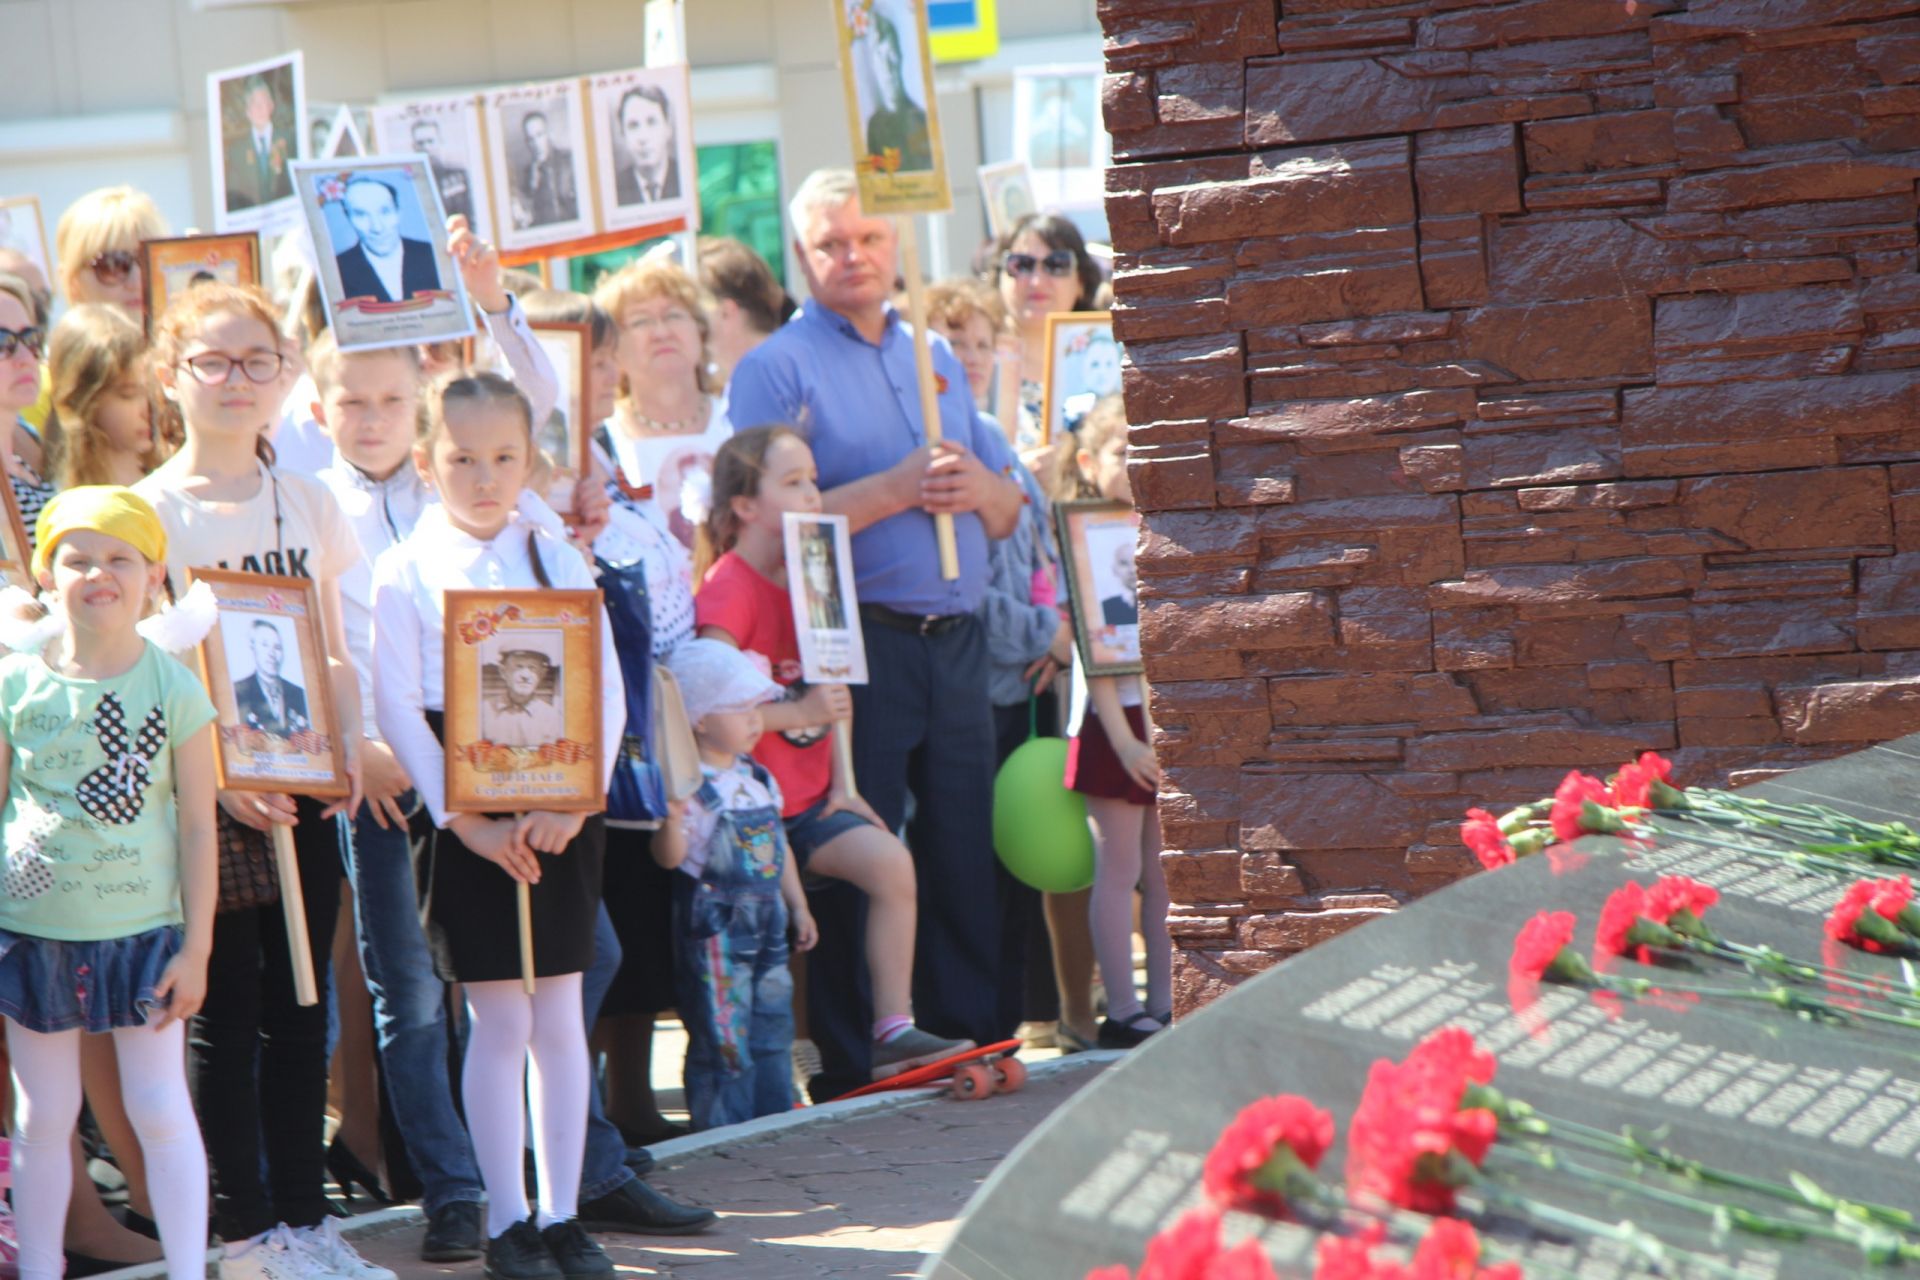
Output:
x=927 y=623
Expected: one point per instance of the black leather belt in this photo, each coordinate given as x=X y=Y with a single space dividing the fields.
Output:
x=919 y=624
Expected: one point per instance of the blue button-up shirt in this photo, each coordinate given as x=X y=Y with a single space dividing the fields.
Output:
x=859 y=406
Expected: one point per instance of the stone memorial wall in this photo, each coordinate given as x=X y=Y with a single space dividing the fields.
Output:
x=1516 y=386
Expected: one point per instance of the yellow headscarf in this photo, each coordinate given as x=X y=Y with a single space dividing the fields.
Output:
x=112 y=509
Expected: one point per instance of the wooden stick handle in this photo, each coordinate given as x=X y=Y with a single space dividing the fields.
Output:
x=524 y=899
x=843 y=753
x=294 y=903
x=923 y=369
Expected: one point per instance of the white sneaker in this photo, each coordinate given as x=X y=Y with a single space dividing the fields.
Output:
x=331 y=1253
x=271 y=1255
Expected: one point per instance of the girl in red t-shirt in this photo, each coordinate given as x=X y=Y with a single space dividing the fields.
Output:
x=758 y=476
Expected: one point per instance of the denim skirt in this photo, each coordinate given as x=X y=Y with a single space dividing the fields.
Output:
x=48 y=985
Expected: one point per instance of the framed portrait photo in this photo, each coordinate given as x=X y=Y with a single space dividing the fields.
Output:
x=564 y=436
x=16 y=561
x=1097 y=542
x=1057 y=131
x=168 y=268
x=257 y=128
x=523 y=701
x=1083 y=364
x=380 y=243
x=1007 y=191
x=826 y=609
x=643 y=148
x=537 y=163
x=24 y=230
x=265 y=665
x=447 y=132
x=886 y=71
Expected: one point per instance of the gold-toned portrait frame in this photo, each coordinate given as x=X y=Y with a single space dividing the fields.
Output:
x=1100 y=652
x=884 y=188
x=16 y=561
x=239 y=249
x=1052 y=400
x=574 y=396
x=314 y=762
x=487 y=777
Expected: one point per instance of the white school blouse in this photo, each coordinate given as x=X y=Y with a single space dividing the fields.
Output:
x=410 y=582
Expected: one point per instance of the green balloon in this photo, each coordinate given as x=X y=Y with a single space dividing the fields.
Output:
x=1040 y=827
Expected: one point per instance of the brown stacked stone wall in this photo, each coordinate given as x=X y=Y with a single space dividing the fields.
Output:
x=1517 y=386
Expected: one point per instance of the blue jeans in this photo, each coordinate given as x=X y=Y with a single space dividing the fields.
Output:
x=409 y=1009
x=605 y=1170
x=736 y=999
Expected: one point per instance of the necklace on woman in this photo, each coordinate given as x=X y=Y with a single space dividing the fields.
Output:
x=682 y=427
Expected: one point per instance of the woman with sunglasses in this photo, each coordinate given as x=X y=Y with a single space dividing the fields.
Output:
x=21 y=343
x=1043 y=267
x=98 y=245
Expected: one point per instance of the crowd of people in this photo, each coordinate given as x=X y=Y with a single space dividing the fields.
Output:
x=835 y=918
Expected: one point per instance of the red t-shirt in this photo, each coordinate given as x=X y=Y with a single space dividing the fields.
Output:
x=758 y=614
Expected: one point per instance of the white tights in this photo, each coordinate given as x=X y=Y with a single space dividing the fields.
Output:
x=506 y=1027
x=1126 y=854
x=153 y=1084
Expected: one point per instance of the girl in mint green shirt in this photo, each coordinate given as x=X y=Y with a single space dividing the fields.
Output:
x=108 y=888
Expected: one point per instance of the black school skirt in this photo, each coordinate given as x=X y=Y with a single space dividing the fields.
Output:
x=471 y=911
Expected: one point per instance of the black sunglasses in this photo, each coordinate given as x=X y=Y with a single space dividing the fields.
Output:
x=114 y=265
x=1059 y=264
x=33 y=338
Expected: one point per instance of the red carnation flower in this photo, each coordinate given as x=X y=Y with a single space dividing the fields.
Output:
x=1543 y=950
x=1583 y=805
x=1410 y=1140
x=1269 y=1144
x=1351 y=1258
x=1451 y=1251
x=1481 y=833
x=1857 y=919
x=1117 y=1271
x=1678 y=902
x=1625 y=925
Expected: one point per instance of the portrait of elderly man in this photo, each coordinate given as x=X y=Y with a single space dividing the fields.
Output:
x=381 y=264
x=267 y=699
x=646 y=163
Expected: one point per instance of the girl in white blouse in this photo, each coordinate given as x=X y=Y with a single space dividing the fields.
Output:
x=476 y=452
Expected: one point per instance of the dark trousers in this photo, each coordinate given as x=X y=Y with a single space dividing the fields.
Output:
x=925 y=727
x=260 y=1059
x=1028 y=992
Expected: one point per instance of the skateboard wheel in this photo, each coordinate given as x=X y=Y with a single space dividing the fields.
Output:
x=1008 y=1075
x=971 y=1081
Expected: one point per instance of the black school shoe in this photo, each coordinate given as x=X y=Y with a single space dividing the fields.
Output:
x=455 y=1233
x=579 y=1257
x=1129 y=1034
x=519 y=1253
x=637 y=1207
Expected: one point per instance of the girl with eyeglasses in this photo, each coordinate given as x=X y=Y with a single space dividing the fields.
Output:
x=98 y=244
x=21 y=343
x=260 y=1058
x=1043 y=267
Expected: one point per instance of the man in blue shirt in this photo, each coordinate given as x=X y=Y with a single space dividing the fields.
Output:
x=843 y=372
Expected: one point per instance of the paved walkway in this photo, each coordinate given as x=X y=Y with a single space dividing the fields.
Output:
x=855 y=1196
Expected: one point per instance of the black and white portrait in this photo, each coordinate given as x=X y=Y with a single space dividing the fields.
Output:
x=269 y=684
x=643 y=146
x=447 y=132
x=520 y=690
x=824 y=599
x=824 y=607
x=538 y=151
x=893 y=94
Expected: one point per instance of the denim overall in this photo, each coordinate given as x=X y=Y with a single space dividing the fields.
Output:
x=730 y=962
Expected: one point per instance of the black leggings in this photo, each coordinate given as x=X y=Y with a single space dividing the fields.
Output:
x=260 y=1058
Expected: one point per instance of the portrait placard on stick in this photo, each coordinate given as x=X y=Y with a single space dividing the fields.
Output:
x=643 y=148
x=826 y=610
x=1083 y=364
x=257 y=128
x=564 y=437
x=1007 y=191
x=24 y=230
x=16 y=561
x=447 y=132
x=265 y=666
x=886 y=71
x=523 y=702
x=380 y=240
x=168 y=268
x=1097 y=542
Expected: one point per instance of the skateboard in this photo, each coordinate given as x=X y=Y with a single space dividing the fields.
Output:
x=977 y=1073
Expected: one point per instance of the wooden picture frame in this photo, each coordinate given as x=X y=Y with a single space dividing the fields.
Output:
x=569 y=347
x=285 y=740
x=16 y=560
x=1076 y=369
x=1097 y=540
x=826 y=606
x=513 y=747
x=894 y=129
x=170 y=266
x=35 y=243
